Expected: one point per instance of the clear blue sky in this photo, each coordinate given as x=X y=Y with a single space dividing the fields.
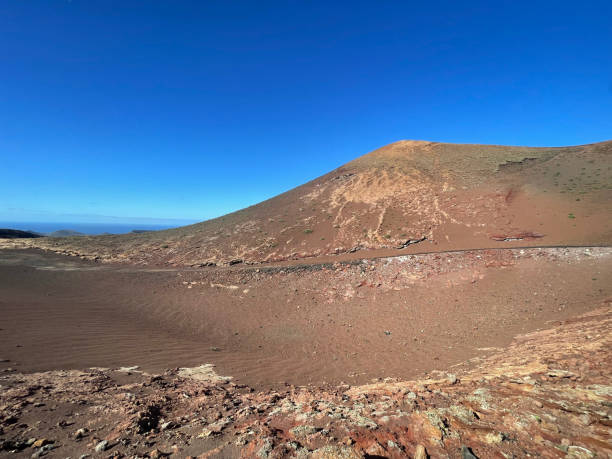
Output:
x=191 y=109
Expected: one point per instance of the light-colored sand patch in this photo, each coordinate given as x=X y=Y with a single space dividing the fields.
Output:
x=204 y=372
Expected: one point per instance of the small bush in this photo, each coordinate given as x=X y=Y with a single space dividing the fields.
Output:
x=307 y=231
x=571 y=215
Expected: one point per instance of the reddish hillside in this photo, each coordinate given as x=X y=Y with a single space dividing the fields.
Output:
x=410 y=196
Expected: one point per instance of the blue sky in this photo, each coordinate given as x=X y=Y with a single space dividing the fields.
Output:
x=191 y=109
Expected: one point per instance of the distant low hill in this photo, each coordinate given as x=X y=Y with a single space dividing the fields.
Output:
x=65 y=233
x=409 y=196
x=6 y=233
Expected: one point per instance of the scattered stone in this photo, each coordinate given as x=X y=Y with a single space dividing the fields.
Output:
x=387 y=332
x=392 y=444
x=80 y=433
x=585 y=419
x=467 y=453
x=167 y=425
x=376 y=450
x=205 y=433
x=265 y=449
x=578 y=452
x=303 y=431
x=452 y=379
x=420 y=452
x=41 y=442
x=494 y=438
x=102 y=446
x=42 y=451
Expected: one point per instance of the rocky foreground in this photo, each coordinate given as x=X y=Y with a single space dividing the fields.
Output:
x=549 y=394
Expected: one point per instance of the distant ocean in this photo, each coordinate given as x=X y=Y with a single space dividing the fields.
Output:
x=85 y=228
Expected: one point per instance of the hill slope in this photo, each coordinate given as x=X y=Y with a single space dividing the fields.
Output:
x=6 y=233
x=405 y=197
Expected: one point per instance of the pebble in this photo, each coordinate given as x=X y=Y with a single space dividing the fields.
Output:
x=466 y=453
x=102 y=446
x=375 y=450
x=420 y=452
x=167 y=425
x=41 y=442
x=579 y=452
x=42 y=451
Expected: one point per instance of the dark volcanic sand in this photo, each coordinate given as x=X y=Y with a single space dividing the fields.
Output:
x=310 y=325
